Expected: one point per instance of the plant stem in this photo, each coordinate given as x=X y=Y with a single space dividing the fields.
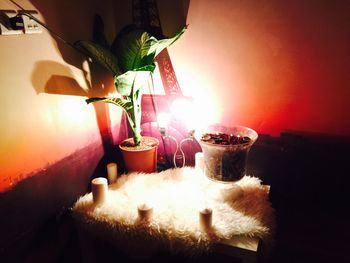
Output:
x=136 y=114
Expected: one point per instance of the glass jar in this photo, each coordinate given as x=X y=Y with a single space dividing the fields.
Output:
x=227 y=162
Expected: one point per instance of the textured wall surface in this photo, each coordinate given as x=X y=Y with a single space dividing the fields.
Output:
x=271 y=65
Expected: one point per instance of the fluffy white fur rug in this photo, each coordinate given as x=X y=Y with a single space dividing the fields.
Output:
x=177 y=196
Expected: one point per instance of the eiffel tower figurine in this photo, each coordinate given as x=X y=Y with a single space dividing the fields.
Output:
x=145 y=15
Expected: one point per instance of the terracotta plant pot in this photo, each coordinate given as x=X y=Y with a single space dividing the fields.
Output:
x=142 y=158
x=224 y=161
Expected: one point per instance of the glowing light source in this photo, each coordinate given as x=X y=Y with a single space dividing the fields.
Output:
x=183 y=110
x=163 y=120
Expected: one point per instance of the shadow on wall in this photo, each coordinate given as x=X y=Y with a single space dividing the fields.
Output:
x=72 y=20
x=59 y=80
x=55 y=78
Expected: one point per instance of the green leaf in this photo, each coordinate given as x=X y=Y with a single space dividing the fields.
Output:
x=132 y=79
x=164 y=43
x=136 y=48
x=100 y=55
x=123 y=103
x=132 y=49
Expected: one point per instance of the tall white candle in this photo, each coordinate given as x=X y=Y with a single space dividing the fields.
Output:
x=145 y=211
x=112 y=172
x=199 y=161
x=99 y=190
x=205 y=219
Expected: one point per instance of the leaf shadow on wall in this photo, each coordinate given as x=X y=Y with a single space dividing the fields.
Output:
x=54 y=78
x=61 y=17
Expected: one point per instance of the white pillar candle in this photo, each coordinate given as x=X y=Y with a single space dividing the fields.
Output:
x=145 y=211
x=112 y=172
x=99 y=190
x=199 y=161
x=205 y=219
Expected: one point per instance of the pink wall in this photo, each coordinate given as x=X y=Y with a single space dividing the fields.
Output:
x=44 y=84
x=271 y=65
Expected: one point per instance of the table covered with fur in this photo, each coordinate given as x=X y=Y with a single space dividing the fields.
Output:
x=177 y=195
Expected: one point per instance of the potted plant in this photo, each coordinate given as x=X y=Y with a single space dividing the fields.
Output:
x=131 y=61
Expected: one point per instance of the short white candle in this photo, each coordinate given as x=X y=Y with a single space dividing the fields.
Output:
x=199 y=161
x=205 y=219
x=145 y=211
x=112 y=172
x=99 y=190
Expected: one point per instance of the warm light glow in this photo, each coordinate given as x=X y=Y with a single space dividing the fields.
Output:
x=61 y=123
x=204 y=115
x=183 y=110
x=156 y=82
x=255 y=76
x=72 y=110
x=163 y=120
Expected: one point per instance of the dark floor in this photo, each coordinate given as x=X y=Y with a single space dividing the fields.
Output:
x=309 y=181
x=309 y=190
